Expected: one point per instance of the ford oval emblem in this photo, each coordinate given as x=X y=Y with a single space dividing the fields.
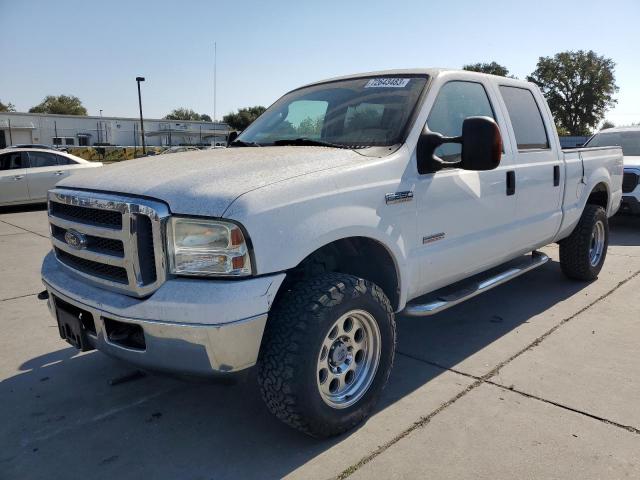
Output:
x=75 y=239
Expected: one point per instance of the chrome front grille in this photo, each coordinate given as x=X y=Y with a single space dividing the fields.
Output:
x=112 y=240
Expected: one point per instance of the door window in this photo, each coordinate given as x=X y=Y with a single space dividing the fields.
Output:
x=526 y=118
x=65 y=161
x=455 y=102
x=11 y=161
x=42 y=159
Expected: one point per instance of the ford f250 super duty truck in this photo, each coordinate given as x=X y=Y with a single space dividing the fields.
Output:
x=348 y=202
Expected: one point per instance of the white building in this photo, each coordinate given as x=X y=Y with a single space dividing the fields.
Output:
x=72 y=130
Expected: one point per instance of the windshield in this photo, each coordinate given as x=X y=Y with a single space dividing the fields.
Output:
x=348 y=113
x=629 y=141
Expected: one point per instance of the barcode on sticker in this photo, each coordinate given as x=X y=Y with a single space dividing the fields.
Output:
x=387 y=83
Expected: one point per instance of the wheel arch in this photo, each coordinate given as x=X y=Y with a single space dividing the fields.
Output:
x=599 y=195
x=360 y=256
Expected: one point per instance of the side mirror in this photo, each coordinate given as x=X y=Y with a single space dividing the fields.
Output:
x=481 y=147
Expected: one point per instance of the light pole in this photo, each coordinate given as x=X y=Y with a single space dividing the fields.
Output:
x=144 y=147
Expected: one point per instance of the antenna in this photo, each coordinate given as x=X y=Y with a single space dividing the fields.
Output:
x=215 y=59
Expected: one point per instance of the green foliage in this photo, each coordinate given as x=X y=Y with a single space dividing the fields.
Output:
x=111 y=154
x=579 y=87
x=492 y=68
x=310 y=128
x=243 y=117
x=187 y=114
x=61 y=104
x=9 y=107
x=607 y=124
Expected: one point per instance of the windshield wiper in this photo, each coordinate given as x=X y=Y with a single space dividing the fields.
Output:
x=303 y=141
x=242 y=143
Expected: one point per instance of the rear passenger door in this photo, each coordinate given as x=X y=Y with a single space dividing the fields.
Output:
x=43 y=173
x=13 y=178
x=538 y=169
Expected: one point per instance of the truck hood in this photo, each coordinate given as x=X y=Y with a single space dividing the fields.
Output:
x=630 y=161
x=206 y=182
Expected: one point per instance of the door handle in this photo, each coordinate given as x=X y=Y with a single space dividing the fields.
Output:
x=59 y=172
x=556 y=175
x=511 y=182
x=18 y=177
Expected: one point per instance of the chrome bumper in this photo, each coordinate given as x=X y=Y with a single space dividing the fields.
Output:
x=185 y=349
x=191 y=327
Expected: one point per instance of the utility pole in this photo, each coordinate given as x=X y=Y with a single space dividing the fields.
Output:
x=215 y=61
x=144 y=146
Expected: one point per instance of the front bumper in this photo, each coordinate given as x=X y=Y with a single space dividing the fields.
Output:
x=191 y=326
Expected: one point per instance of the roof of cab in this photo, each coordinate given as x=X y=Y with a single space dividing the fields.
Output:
x=632 y=128
x=432 y=72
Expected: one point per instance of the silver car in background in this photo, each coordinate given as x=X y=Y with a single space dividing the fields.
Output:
x=26 y=174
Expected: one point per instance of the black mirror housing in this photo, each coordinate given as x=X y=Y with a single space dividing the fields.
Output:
x=481 y=144
x=481 y=147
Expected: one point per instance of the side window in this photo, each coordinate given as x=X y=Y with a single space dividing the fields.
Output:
x=64 y=160
x=526 y=118
x=41 y=159
x=11 y=161
x=455 y=102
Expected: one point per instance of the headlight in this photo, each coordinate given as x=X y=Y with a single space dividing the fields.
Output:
x=206 y=247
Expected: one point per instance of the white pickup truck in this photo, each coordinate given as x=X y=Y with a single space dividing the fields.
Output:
x=348 y=202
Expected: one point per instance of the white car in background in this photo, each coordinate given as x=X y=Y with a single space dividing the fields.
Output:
x=26 y=174
x=629 y=139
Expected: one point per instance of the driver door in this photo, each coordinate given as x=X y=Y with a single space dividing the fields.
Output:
x=465 y=218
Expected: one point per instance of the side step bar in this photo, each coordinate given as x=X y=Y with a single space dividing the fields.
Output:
x=441 y=301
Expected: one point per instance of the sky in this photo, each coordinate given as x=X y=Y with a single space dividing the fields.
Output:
x=94 y=50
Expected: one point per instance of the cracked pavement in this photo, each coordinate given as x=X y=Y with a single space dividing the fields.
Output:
x=538 y=378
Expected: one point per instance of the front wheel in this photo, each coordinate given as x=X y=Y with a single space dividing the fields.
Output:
x=327 y=353
x=582 y=253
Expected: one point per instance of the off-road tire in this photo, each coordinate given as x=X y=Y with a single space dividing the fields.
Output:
x=574 y=250
x=298 y=323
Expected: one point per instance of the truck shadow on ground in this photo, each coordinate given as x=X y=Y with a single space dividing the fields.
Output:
x=61 y=403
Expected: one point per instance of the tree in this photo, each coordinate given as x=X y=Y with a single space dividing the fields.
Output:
x=493 y=68
x=243 y=117
x=579 y=87
x=607 y=124
x=61 y=104
x=9 y=107
x=187 y=114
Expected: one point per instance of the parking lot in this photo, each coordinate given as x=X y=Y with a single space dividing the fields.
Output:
x=539 y=378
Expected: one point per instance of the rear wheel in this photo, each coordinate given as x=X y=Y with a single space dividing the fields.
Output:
x=327 y=353
x=582 y=254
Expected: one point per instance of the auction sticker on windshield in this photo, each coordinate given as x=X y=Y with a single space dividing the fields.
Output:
x=387 y=83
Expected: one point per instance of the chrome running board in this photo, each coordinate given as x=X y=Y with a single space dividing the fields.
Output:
x=446 y=298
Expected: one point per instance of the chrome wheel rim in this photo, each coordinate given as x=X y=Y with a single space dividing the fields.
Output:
x=348 y=359
x=596 y=247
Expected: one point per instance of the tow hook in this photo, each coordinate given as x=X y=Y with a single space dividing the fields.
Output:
x=43 y=295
